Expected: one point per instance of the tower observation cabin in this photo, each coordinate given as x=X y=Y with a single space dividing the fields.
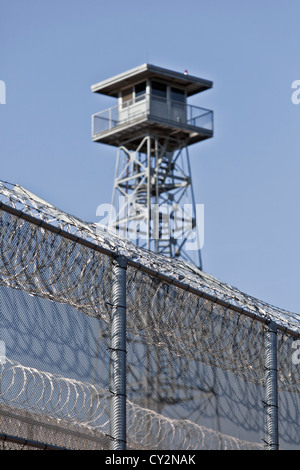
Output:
x=152 y=124
x=154 y=100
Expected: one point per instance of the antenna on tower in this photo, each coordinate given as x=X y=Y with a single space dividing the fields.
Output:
x=152 y=126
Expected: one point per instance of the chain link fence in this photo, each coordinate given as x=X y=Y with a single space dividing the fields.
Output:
x=207 y=366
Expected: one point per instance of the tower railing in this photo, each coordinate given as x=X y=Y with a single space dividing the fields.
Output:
x=152 y=107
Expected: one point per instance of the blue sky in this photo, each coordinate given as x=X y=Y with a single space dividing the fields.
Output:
x=247 y=175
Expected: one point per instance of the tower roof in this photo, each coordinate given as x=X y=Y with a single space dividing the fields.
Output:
x=113 y=85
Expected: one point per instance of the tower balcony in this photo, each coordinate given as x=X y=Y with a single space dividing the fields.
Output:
x=129 y=120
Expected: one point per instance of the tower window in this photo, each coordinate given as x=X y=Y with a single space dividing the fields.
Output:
x=159 y=89
x=140 y=91
x=127 y=97
x=177 y=95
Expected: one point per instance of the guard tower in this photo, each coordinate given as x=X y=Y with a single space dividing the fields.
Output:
x=152 y=126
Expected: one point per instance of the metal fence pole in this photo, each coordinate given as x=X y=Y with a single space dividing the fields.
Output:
x=118 y=356
x=271 y=387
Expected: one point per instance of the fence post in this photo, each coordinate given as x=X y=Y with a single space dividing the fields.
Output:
x=271 y=387
x=118 y=356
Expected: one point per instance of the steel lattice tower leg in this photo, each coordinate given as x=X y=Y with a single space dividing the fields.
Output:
x=153 y=199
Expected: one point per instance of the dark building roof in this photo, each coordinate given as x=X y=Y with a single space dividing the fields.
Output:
x=113 y=85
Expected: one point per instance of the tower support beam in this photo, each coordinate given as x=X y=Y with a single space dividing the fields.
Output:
x=153 y=198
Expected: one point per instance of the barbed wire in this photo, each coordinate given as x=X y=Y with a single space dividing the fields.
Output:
x=195 y=344
x=87 y=406
x=21 y=199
